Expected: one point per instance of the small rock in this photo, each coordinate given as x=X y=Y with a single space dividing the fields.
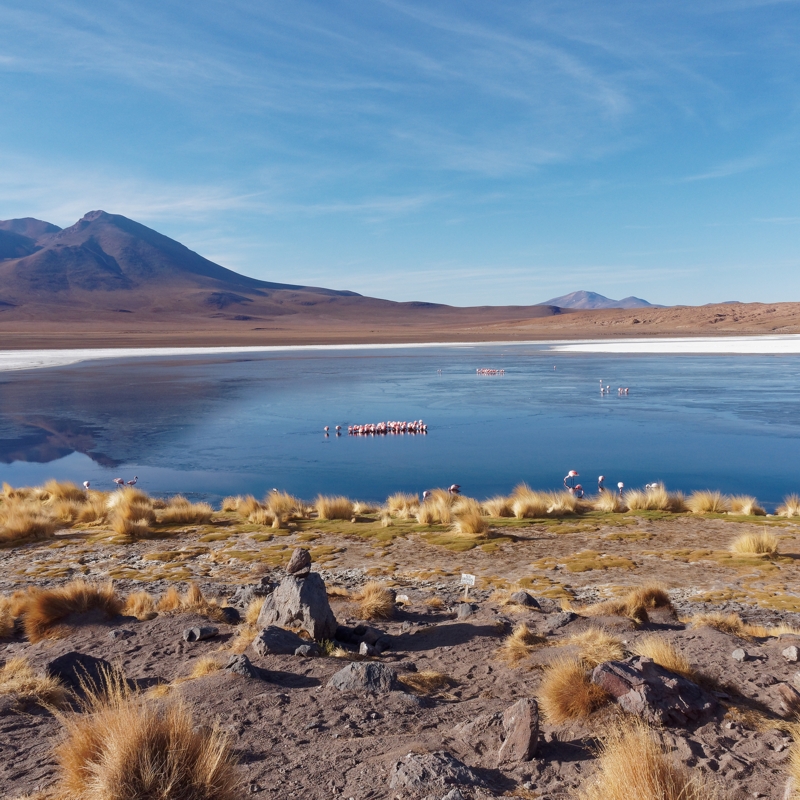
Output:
x=796 y=680
x=739 y=655
x=464 y=611
x=300 y=600
x=120 y=633
x=521 y=724
x=79 y=670
x=241 y=665
x=364 y=677
x=277 y=641
x=523 y=599
x=230 y=615
x=365 y=649
x=791 y=654
x=308 y=651
x=300 y=562
x=199 y=633
x=423 y=770
x=402 y=599
x=454 y=794
x=559 y=620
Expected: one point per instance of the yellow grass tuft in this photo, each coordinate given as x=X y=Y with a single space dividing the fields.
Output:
x=632 y=765
x=253 y=610
x=284 y=505
x=125 y=747
x=426 y=682
x=655 y=499
x=45 y=610
x=18 y=678
x=744 y=504
x=664 y=653
x=95 y=508
x=54 y=490
x=333 y=507
x=595 y=646
x=7 y=616
x=360 y=507
x=649 y=596
x=566 y=693
x=132 y=512
x=375 y=601
x=180 y=511
x=470 y=522
x=633 y=605
x=498 y=506
x=529 y=504
x=247 y=505
x=708 y=502
x=760 y=543
x=25 y=519
x=230 y=503
x=140 y=605
x=402 y=504
x=426 y=515
x=790 y=506
x=262 y=516
x=726 y=623
x=207 y=665
x=518 y=644
x=608 y=502
x=170 y=601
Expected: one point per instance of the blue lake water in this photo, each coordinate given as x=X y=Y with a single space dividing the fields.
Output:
x=211 y=426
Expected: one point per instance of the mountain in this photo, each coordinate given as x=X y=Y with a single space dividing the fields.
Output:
x=586 y=301
x=106 y=265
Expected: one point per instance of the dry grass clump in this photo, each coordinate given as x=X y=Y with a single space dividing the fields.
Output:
x=426 y=514
x=761 y=543
x=17 y=677
x=528 y=504
x=285 y=505
x=608 y=502
x=21 y=520
x=180 y=511
x=426 y=682
x=124 y=747
x=360 y=507
x=649 y=596
x=634 y=605
x=566 y=693
x=656 y=498
x=790 y=506
x=664 y=653
x=7 y=616
x=247 y=505
x=141 y=605
x=95 y=508
x=248 y=631
x=518 y=644
x=596 y=646
x=207 y=665
x=61 y=490
x=632 y=765
x=132 y=512
x=375 y=601
x=470 y=521
x=333 y=507
x=263 y=516
x=744 y=504
x=44 y=610
x=708 y=502
x=192 y=600
x=498 y=506
x=726 y=623
x=230 y=503
x=402 y=505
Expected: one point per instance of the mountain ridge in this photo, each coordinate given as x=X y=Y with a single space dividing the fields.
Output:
x=592 y=301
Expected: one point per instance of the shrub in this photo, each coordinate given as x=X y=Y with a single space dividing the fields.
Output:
x=22 y=520
x=470 y=522
x=247 y=505
x=566 y=692
x=46 y=609
x=649 y=596
x=334 y=507
x=761 y=543
x=284 y=505
x=18 y=678
x=95 y=507
x=375 y=601
x=708 y=502
x=634 y=605
x=596 y=646
x=655 y=499
x=518 y=644
x=140 y=605
x=790 y=506
x=727 y=623
x=664 y=653
x=744 y=504
x=55 y=490
x=125 y=747
x=135 y=528
x=180 y=511
x=132 y=512
x=528 y=504
x=498 y=506
x=230 y=503
x=66 y=512
x=360 y=507
x=402 y=504
x=426 y=515
x=632 y=764
x=609 y=502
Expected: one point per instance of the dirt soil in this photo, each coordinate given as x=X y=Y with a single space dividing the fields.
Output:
x=295 y=737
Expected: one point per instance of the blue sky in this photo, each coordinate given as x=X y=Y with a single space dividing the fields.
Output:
x=467 y=153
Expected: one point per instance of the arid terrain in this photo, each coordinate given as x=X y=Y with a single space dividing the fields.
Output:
x=722 y=615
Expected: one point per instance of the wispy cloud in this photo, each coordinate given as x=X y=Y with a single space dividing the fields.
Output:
x=728 y=168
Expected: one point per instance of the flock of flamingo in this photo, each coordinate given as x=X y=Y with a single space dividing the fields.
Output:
x=490 y=372
x=381 y=428
x=577 y=490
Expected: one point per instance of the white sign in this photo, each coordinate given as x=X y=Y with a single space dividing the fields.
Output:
x=467 y=580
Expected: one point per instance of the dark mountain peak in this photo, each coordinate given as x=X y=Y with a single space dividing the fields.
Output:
x=592 y=300
x=28 y=227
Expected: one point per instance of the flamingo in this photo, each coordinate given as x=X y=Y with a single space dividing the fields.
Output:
x=571 y=474
x=325 y=429
x=455 y=489
x=577 y=491
x=425 y=495
x=120 y=482
x=86 y=485
x=620 y=486
x=600 y=486
x=133 y=482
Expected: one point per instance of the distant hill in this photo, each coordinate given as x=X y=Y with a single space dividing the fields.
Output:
x=588 y=301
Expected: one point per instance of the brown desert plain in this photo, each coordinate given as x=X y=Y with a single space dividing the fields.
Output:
x=642 y=647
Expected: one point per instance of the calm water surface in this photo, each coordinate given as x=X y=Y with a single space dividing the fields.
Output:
x=215 y=426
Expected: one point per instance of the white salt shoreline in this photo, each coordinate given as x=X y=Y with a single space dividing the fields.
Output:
x=787 y=344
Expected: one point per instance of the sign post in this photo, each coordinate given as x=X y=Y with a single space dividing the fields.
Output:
x=467 y=581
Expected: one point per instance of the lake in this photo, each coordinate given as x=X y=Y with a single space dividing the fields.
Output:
x=230 y=423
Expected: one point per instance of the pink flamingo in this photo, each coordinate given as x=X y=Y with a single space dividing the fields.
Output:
x=120 y=482
x=133 y=482
x=572 y=474
x=620 y=486
x=86 y=485
x=600 y=486
x=455 y=489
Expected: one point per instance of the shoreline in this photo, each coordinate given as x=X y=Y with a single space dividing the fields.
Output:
x=780 y=344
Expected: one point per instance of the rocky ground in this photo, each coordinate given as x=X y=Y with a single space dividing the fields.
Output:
x=370 y=732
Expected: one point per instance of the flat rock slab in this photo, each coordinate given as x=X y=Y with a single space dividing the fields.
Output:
x=424 y=770
x=364 y=677
x=521 y=726
x=642 y=687
x=277 y=642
